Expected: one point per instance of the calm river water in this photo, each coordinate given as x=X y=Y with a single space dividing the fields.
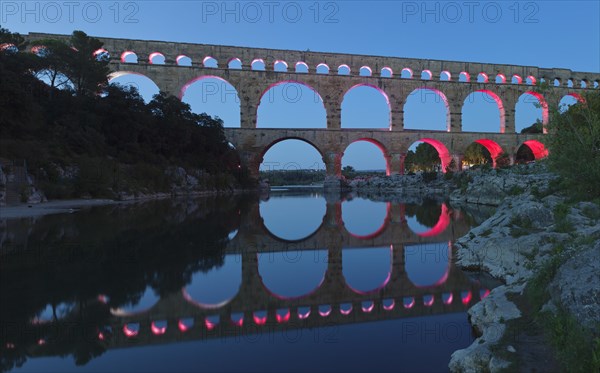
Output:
x=287 y=282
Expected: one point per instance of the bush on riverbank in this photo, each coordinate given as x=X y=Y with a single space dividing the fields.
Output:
x=575 y=147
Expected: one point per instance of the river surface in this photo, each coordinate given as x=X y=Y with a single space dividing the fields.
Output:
x=290 y=281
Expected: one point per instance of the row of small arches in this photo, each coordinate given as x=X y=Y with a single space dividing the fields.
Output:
x=157 y=58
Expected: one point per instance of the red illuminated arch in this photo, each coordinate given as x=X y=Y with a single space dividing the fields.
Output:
x=440 y=226
x=387 y=100
x=544 y=105
x=152 y=56
x=444 y=99
x=380 y=286
x=492 y=147
x=443 y=152
x=188 y=84
x=375 y=234
x=538 y=149
x=126 y=54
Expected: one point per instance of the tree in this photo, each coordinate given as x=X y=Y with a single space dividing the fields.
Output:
x=477 y=154
x=73 y=63
x=574 y=146
x=427 y=157
x=537 y=127
x=348 y=172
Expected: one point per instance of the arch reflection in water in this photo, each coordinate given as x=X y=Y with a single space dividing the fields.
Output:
x=141 y=304
x=429 y=219
x=293 y=218
x=292 y=274
x=364 y=218
x=367 y=269
x=217 y=286
x=428 y=264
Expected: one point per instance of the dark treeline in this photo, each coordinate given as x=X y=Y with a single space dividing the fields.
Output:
x=107 y=133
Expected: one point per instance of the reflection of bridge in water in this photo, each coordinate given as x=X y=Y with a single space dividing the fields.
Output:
x=255 y=309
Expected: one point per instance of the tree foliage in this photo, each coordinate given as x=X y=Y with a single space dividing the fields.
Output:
x=575 y=146
x=424 y=158
x=101 y=134
x=477 y=154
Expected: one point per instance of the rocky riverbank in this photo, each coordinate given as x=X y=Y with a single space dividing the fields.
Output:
x=545 y=250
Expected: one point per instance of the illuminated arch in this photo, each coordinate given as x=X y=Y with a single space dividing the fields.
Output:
x=379 y=90
x=280 y=65
x=210 y=62
x=543 y=104
x=445 y=76
x=365 y=71
x=292 y=274
x=301 y=67
x=441 y=225
x=234 y=63
x=482 y=78
x=223 y=95
x=492 y=147
x=183 y=60
x=464 y=77
x=100 y=54
x=150 y=84
x=445 y=157
x=356 y=262
x=440 y=94
x=317 y=97
x=530 y=80
x=426 y=75
x=322 y=68
x=216 y=287
x=406 y=73
x=156 y=58
x=147 y=301
x=428 y=265
x=498 y=102
x=538 y=149
x=381 y=147
x=257 y=64
x=387 y=72
x=359 y=206
x=500 y=79
x=129 y=57
x=344 y=69
x=516 y=79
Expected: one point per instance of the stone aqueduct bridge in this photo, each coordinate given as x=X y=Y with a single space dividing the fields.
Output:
x=384 y=75
x=256 y=311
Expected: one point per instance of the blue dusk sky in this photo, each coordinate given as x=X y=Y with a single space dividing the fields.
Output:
x=563 y=34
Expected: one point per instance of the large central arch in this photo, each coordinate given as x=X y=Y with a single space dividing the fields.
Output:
x=438 y=94
x=295 y=98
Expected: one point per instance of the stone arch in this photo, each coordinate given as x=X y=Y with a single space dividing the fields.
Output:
x=380 y=91
x=344 y=69
x=268 y=218
x=438 y=228
x=224 y=91
x=387 y=72
x=365 y=71
x=210 y=62
x=538 y=149
x=156 y=58
x=363 y=206
x=183 y=60
x=500 y=79
x=129 y=57
x=499 y=104
x=293 y=100
x=516 y=79
x=353 y=262
x=439 y=94
x=100 y=55
x=120 y=74
x=436 y=258
x=234 y=63
x=482 y=78
x=381 y=147
x=280 y=65
x=445 y=76
x=301 y=67
x=406 y=73
x=543 y=105
x=464 y=77
x=493 y=148
x=426 y=75
x=216 y=288
x=322 y=68
x=443 y=152
x=281 y=139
